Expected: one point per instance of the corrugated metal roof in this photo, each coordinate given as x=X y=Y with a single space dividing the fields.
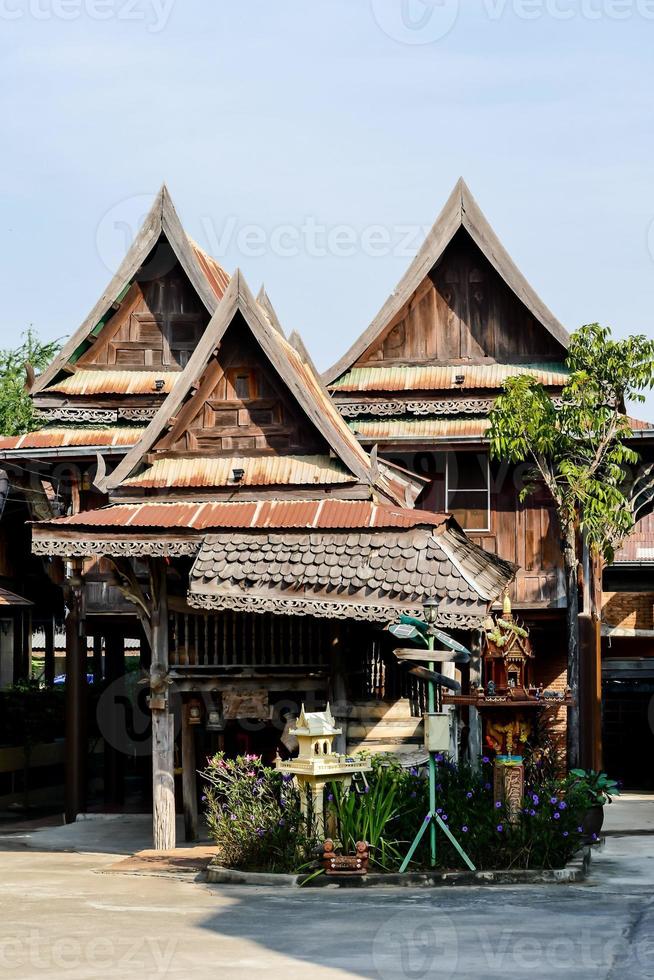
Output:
x=62 y=437
x=407 y=428
x=259 y=471
x=638 y=425
x=123 y=382
x=318 y=514
x=214 y=273
x=639 y=546
x=442 y=377
x=8 y=598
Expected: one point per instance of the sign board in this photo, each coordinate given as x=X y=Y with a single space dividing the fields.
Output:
x=424 y=674
x=419 y=624
x=403 y=631
x=447 y=641
x=246 y=704
x=437 y=656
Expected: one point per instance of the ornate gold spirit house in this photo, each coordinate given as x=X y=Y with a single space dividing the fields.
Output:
x=317 y=764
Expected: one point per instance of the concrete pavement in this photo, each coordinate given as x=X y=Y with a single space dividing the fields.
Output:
x=60 y=918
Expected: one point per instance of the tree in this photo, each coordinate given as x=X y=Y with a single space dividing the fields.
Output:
x=16 y=410
x=578 y=447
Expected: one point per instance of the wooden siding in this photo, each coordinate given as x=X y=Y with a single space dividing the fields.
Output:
x=158 y=324
x=463 y=310
x=240 y=405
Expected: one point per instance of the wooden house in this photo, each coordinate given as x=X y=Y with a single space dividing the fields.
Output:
x=419 y=384
x=264 y=551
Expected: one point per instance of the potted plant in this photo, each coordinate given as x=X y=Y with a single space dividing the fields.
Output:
x=596 y=791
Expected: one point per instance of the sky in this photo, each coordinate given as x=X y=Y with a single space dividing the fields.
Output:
x=312 y=143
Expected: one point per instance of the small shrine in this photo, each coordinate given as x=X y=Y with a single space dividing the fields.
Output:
x=317 y=764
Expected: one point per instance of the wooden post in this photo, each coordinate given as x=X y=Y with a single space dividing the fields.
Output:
x=590 y=693
x=76 y=699
x=338 y=688
x=114 y=759
x=163 y=725
x=49 y=632
x=189 y=778
x=97 y=659
x=474 y=719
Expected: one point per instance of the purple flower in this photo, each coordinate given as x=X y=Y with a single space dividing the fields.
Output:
x=260 y=832
x=282 y=822
x=557 y=816
x=532 y=813
x=535 y=798
x=498 y=805
x=485 y=759
x=232 y=816
x=413 y=795
x=427 y=818
x=439 y=757
x=595 y=837
x=500 y=828
x=286 y=778
x=553 y=800
x=469 y=796
x=444 y=818
x=580 y=830
x=563 y=805
x=487 y=785
x=565 y=833
x=464 y=829
x=413 y=771
x=330 y=797
x=440 y=810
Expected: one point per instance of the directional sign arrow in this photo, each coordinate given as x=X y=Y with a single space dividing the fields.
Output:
x=437 y=656
x=403 y=631
x=431 y=675
x=449 y=642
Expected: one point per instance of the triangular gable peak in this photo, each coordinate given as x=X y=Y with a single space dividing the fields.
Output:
x=462 y=300
x=149 y=319
x=247 y=415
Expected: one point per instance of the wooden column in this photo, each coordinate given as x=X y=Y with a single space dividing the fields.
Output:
x=49 y=633
x=76 y=698
x=189 y=778
x=590 y=692
x=163 y=726
x=114 y=758
x=474 y=718
x=97 y=659
x=338 y=688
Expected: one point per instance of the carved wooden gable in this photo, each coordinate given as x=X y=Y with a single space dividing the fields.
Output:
x=464 y=310
x=158 y=324
x=240 y=404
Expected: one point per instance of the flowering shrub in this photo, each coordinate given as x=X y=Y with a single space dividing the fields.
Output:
x=253 y=814
x=546 y=834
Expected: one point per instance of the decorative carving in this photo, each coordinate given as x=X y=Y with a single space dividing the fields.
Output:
x=434 y=406
x=323 y=609
x=446 y=407
x=96 y=416
x=91 y=547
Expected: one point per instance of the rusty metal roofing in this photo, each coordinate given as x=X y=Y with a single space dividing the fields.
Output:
x=258 y=471
x=443 y=377
x=639 y=425
x=214 y=273
x=109 y=382
x=8 y=598
x=639 y=546
x=420 y=428
x=59 y=437
x=278 y=514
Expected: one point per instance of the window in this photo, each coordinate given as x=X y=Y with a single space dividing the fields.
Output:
x=467 y=490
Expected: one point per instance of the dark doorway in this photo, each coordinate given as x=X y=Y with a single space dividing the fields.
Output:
x=628 y=724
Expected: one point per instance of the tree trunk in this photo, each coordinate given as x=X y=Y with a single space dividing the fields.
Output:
x=572 y=629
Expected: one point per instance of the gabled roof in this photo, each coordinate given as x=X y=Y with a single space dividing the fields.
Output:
x=297 y=375
x=460 y=211
x=205 y=274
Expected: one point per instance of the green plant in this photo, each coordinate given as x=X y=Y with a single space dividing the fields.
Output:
x=17 y=413
x=596 y=786
x=579 y=451
x=254 y=816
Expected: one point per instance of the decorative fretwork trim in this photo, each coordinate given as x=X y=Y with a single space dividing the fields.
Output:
x=91 y=547
x=102 y=416
x=327 y=610
x=434 y=406
x=447 y=407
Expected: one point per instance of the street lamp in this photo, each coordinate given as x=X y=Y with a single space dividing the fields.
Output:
x=430 y=609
